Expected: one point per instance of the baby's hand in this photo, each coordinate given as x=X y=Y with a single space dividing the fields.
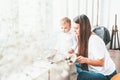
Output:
x=70 y=51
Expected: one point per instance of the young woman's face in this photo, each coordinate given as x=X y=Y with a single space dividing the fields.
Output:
x=76 y=28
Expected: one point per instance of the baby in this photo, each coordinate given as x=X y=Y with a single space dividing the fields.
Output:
x=66 y=41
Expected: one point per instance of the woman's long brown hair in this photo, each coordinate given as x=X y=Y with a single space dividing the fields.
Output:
x=85 y=32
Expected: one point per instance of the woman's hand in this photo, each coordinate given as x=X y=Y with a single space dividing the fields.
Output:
x=96 y=62
x=82 y=59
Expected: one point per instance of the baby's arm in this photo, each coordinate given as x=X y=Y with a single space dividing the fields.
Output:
x=74 y=41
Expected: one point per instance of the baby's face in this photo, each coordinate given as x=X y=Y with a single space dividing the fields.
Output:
x=65 y=27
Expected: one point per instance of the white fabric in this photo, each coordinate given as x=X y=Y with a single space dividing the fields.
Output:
x=65 y=42
x=98 y=50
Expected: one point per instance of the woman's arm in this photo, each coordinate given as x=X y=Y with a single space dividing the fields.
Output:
x=96 y=62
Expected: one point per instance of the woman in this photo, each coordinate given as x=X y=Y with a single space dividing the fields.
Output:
x=93 y=61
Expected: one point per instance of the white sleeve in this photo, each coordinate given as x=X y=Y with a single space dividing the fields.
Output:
x=76 y=51
x=97 y=47
x=74 y=39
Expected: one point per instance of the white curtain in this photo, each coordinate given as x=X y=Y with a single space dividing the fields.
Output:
x=105 y=10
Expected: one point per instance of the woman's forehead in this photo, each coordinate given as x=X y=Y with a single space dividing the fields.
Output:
x=76 y=25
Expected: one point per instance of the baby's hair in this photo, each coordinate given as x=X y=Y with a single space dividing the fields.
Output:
x=66 y=20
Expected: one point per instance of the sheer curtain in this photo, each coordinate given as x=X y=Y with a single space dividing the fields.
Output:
x=104 y=11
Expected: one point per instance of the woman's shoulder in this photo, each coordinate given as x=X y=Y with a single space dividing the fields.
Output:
x=95 y=38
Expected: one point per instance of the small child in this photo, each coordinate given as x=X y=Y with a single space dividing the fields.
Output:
x=66 y=44
x=66 y=41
